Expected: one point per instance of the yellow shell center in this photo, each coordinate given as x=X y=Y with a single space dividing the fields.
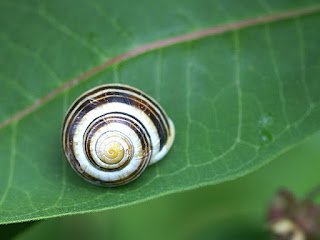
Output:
x=114 y=151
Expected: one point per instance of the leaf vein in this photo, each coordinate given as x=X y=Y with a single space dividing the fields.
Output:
x=277 y=73
x=11 y=161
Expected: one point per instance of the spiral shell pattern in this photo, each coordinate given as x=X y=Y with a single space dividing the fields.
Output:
x=113 y=132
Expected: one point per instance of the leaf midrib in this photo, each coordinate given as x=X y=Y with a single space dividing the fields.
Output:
x=160 y=44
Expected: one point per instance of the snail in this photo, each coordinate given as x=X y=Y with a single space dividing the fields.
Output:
x=111 y=133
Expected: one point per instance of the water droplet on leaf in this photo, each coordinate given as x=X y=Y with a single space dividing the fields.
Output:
x=266 y=136
x=266 y=120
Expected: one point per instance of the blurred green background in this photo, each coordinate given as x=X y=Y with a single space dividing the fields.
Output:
x=232 y=210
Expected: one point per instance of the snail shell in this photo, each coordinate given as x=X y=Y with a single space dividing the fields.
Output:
x=113 y=132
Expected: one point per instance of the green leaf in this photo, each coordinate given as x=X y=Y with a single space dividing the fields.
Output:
x=239 y=93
